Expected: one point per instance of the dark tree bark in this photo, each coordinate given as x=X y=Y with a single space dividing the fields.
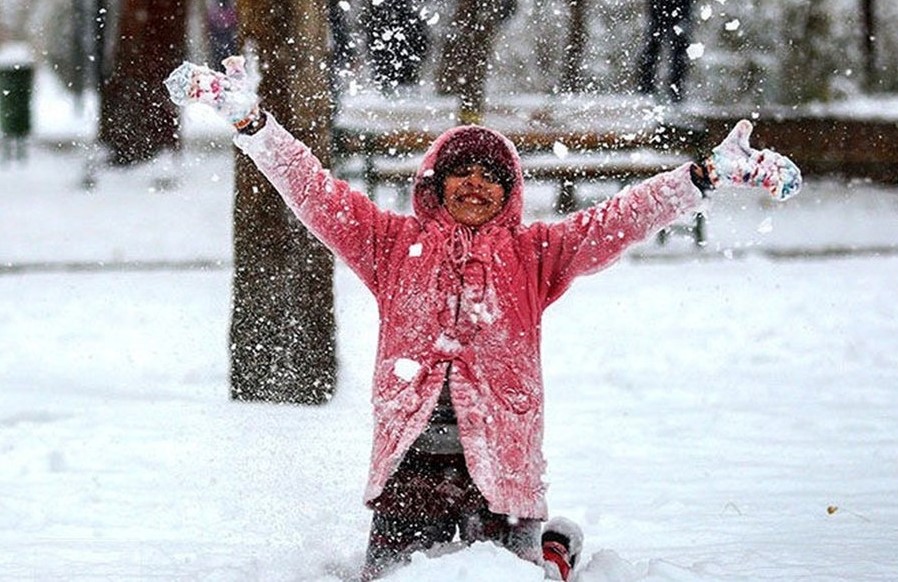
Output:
x=137 y=119
x=283 y=339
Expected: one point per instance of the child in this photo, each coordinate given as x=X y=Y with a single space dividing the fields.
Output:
x=461 y=287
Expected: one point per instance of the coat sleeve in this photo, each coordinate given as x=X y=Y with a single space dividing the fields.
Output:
x=345 y=220
x=592 y=239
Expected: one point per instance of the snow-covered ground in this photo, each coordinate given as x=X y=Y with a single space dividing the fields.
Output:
x=728 y=414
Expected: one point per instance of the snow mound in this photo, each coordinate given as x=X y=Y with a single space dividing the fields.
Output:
x=480 y=561
x=487 y=561
x=607 y=566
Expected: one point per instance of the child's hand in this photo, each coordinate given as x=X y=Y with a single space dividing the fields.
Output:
x=230 y=93
x=735 y=163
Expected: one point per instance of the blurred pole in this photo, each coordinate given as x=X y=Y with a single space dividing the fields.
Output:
x=95 y=31
x=101 y=13
x=79 y=52
x=868 y=10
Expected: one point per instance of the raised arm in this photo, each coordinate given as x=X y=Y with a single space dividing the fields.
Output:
x=343 y=219
x=591 y=239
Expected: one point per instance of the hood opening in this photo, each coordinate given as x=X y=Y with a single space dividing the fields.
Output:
x=467 y=145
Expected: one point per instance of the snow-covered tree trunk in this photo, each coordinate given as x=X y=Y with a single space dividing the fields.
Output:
x=283 y=346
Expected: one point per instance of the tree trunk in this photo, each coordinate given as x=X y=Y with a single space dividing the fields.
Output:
x=465 y=59
x=283 y=339
x=137 y=119
x=808 y=57
x=572 y=78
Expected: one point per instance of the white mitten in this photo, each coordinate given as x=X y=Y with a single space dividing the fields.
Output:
x=230 y=94
x=735 y=163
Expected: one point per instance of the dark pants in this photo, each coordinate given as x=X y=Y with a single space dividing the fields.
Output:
x=665 y=19
x=428 y=500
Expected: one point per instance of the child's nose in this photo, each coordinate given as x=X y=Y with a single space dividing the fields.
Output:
x=477 y=175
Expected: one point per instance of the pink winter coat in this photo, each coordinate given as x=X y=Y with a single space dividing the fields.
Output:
x=472 y=299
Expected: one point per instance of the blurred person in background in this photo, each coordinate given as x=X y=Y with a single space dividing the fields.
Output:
x=669 y=24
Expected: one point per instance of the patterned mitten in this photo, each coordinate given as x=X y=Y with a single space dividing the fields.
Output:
x=230 y=94
x=735 y=163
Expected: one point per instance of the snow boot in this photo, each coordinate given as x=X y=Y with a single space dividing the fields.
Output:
x=562 y=542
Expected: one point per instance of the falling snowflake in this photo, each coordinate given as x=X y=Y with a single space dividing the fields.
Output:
x=695 y=51
x=560 y=150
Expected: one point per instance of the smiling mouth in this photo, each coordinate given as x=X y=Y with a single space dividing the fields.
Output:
x=473 y=200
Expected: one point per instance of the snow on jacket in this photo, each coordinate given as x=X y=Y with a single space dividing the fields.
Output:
x=469 y=301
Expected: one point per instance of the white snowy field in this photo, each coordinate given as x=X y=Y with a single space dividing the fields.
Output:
x=724 y=415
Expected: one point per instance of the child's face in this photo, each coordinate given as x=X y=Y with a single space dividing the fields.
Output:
x=472 y=194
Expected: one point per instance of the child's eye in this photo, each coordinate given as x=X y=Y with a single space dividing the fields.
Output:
x=485 y=173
